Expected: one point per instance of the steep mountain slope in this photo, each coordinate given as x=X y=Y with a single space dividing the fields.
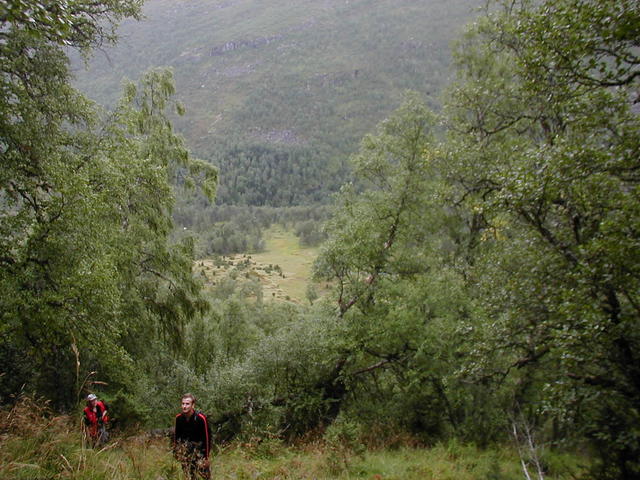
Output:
x=281 y=76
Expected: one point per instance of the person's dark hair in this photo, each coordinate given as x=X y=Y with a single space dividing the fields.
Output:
x=189 y=395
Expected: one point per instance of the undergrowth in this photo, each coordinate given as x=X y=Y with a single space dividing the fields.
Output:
x=36 y=444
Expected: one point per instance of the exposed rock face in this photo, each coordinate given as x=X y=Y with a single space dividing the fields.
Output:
x=235 y=71
x=333 y=79
x=255 y=43
x=283 y=137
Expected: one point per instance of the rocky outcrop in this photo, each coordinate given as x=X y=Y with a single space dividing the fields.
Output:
x=333 y=79
x=235 y=45
x=257 y=42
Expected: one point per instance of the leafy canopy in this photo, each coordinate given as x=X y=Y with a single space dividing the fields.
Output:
x=86 y=264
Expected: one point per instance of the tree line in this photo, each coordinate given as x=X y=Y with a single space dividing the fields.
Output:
x=230 y=229
x=262 y=175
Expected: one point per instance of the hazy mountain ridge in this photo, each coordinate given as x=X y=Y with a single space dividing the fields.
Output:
x=285 y=71
x=284 y=88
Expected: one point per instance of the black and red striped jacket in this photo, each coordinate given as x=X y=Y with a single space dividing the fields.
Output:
x=192 y=432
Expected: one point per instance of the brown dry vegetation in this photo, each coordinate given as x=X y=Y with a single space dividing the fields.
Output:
x=36 y=444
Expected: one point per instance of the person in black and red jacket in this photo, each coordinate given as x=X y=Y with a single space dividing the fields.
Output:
x=192 y=439
x=95 y=420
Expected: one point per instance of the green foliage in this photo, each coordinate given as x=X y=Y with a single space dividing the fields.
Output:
x=275 y=176
x=86 y=265
x=483 y=286
x=490 y=280
x=345 y=434
x=231 y=229
x=393 y=251
x=78 y=23
x=277 y=383
x=544 y=151
x=310 y=233
x=126 y=411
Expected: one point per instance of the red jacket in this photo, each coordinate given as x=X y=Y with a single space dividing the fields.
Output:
x=92 y=418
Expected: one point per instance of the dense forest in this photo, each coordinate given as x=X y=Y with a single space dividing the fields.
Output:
x=484 y=258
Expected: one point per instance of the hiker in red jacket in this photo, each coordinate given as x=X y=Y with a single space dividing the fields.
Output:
x=95 y=420
x=192 y=440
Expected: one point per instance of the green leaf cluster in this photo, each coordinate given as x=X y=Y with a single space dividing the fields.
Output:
x=86 y=266
x=543 y=146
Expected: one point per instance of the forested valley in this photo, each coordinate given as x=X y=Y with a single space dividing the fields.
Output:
x=474 y=310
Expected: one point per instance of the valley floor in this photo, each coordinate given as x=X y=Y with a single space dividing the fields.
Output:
x=284 y=268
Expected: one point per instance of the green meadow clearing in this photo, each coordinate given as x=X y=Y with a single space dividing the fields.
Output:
x=284 y=268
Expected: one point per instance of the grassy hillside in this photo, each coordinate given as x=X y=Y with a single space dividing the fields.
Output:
x=304 y=76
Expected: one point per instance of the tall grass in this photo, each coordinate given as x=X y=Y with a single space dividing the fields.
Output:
x=35 y=444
